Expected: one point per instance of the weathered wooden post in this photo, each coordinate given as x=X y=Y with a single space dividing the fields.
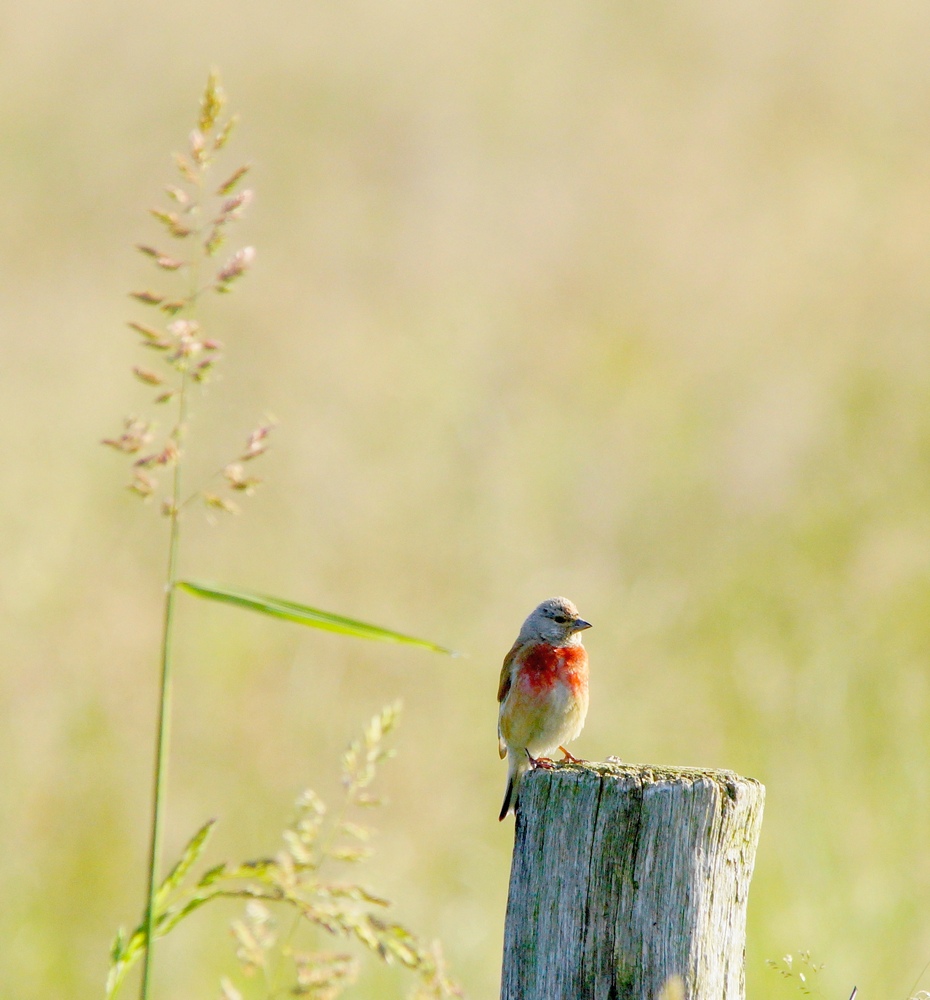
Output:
x=625 y=877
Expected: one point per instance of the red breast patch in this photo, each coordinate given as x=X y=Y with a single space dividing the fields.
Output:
x=545 y=665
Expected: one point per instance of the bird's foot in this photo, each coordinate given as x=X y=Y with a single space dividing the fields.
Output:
x=568 y=758
x=545 y=763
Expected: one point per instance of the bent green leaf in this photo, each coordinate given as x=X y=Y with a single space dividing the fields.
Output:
x=277 y=607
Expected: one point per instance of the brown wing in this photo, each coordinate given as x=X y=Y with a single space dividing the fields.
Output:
x=504 y=685
x=502 y=688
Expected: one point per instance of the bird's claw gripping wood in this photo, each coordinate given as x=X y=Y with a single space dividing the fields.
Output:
x=546 y=763
x=567 y=758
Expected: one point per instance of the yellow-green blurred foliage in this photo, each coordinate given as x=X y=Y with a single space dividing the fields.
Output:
x=625 y=301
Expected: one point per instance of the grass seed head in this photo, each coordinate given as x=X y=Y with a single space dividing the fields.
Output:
x=196 y=203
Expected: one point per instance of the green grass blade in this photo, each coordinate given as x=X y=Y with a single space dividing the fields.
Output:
x=188 y=858
x=277 y=607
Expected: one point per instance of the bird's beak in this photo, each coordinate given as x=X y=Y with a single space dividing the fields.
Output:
x=580 y=624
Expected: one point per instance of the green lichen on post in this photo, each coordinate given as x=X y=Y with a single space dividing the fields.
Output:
x=651 y=773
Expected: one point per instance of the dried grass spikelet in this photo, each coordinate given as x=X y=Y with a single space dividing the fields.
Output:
x=255 y=936
x=802 y=975
x=136 y=434
x=161 y=259
x=142 y=483
x=148 y=298
x=229 y=184
x=257 y=443
x=238 y=480
x=211 y=104
x=234 y=268
x=147 y=377
x=217 y=502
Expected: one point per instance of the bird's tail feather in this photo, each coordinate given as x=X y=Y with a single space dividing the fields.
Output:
x=517 y=766
x=508 y=796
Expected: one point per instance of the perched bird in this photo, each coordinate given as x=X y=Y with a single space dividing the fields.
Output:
x=543 y=691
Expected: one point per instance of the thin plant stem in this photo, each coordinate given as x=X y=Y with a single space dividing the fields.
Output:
x=163 y=737
x=164 y=704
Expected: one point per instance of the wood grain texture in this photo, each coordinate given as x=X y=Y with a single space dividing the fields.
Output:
x=624 y=876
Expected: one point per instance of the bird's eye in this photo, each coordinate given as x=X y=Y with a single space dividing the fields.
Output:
x=561 y=619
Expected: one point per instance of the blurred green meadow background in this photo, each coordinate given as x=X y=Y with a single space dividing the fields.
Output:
x=623 y=301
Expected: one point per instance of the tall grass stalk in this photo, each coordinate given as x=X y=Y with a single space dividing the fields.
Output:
x=189 y=357
x=161 y=752
x=200 y=216
x=163 y=732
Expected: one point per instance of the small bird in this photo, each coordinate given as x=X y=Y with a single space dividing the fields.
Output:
x=543 y=691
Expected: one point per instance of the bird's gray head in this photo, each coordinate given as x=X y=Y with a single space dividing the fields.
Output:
x=555 y=621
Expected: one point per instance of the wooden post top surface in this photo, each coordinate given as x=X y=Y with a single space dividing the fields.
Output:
x=652 y=774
